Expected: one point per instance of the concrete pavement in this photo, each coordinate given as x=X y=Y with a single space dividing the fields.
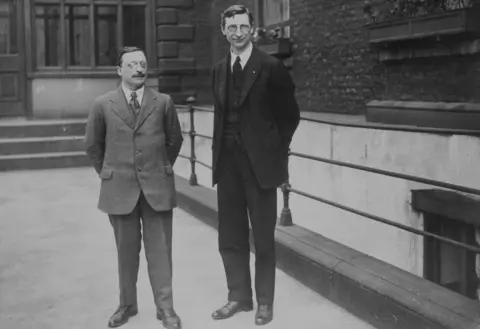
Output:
x=58 y=265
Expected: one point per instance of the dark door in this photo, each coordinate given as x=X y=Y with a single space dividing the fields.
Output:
x=12 y=68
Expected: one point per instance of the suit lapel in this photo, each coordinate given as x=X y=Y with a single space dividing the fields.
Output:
x=252 y=71
x=120 y=107
x=148 y=105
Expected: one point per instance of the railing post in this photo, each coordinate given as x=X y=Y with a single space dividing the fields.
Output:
x=193 y=176
x=286 y=215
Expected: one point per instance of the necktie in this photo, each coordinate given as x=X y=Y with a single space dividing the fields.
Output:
x=134 y=105
x=237 y=72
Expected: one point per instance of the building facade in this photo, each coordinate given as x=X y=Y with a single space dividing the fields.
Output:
x=419 y=69
x=57 y=55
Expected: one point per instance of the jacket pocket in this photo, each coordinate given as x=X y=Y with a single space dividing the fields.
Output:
x=106 y=173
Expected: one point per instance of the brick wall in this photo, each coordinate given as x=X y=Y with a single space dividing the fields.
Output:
x=446 y=79
x=335 y=70
x=333 y=66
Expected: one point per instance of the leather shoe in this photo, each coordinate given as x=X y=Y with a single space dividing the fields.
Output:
x=121 y=315
x=230 y=309
x=264 y=314
x=169 y=318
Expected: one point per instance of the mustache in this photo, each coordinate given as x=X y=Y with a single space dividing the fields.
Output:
x=138 y=75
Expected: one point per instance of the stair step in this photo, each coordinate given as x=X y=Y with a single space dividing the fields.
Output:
x=43 y=161
x=41 y=128
x=32 y=145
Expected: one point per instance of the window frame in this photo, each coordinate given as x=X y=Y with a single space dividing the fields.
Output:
x=432 y=260
x=93 y=70
x=260 y=17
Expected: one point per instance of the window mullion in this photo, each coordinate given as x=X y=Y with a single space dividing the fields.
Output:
x=148 y=34
x=63 y=37
x=119 y=24
x=92 y=34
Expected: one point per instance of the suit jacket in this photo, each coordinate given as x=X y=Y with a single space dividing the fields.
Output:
x=134 y=155
x=269 y=116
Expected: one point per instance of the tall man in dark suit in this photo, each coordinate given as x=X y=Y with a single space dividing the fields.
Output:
x=256 y=115
x=133 y=138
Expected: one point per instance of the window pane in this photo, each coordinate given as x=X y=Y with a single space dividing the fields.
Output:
x=275 y=11
x=134 y=26
x=8 y=27
x=47 y=26
x=77 y=28
x=106 y=35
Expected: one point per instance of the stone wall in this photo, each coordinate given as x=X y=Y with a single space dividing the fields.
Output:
x=172 y=36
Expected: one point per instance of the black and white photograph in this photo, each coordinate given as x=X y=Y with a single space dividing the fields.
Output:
x=240 y=164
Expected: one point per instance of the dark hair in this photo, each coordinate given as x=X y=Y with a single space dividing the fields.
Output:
x=126 y=50
x=236 y=10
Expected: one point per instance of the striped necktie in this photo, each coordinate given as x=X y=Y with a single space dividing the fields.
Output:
x=134 y=105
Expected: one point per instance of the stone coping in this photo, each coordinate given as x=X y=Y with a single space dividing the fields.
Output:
x=425 y=106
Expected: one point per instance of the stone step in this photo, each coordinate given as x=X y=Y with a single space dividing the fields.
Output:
x=34 y=145
x=41 y=128
x=43 y=161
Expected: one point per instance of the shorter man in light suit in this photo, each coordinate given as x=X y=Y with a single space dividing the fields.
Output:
x=133 y=138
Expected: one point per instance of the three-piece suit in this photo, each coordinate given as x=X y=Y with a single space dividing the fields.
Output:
x=255 y=117
x=133 y=154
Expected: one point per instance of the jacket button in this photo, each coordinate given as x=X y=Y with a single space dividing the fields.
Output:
x=139 y=169
x=137 y=152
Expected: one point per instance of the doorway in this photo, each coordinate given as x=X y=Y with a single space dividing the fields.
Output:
x=12 y=59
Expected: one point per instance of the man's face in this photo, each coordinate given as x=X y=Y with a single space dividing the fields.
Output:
x=238 y=31
x=134 y=69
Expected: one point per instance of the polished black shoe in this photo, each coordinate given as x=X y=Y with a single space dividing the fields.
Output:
x=169 y=318
x=264 y=314
x=121 y=315
x=230 y=309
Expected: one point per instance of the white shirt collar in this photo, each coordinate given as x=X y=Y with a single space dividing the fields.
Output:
x=244 y=56
x=128 y=93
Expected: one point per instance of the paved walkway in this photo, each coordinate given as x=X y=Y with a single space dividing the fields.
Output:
x=58 y=265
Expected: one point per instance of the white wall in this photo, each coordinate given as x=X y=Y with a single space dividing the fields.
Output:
x=452 y=159
x=203 y=125
x=70 y=97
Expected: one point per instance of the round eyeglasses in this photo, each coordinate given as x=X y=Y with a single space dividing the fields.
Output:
x=233 y=28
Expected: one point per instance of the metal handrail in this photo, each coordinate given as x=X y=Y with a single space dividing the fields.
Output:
x=386 y=221
x=286 y=215
x=414 y=129
x=412 y=178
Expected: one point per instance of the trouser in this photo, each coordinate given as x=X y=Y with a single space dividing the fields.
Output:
x=157 y=239
x=240 y=197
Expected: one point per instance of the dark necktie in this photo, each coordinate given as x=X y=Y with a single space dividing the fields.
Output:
x=134 y=105
x=237 y=72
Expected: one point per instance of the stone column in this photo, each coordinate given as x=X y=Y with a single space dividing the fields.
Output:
x=170 y=35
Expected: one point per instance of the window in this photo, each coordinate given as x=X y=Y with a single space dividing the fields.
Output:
x=8 y=28
x=271 y=12
x=75 y=34
x=449 y=266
